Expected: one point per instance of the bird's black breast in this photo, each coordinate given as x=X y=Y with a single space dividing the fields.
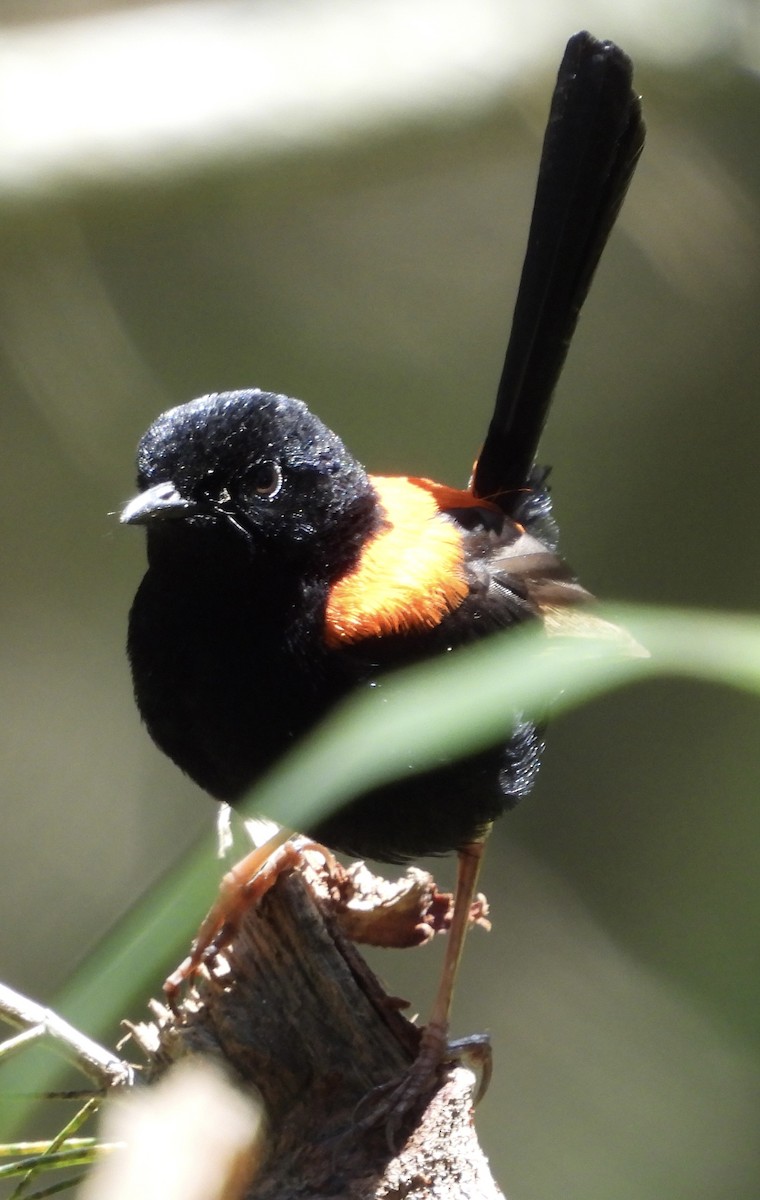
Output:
x=231 y=667
x=220 y=672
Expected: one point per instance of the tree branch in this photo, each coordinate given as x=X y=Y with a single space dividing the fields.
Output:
x=295 y=1012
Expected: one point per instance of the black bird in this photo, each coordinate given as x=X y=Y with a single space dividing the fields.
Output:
x=282 y=576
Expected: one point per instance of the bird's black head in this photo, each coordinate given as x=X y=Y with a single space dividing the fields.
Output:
x=258 y=470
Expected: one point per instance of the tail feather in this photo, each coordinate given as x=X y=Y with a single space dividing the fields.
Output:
x=593 y=140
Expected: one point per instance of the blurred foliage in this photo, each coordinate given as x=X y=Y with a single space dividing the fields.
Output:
x=375 y=281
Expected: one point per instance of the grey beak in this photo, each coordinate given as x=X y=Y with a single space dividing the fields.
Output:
x=160 y=503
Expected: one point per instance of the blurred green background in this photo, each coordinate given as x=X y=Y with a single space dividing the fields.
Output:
x=332 y=200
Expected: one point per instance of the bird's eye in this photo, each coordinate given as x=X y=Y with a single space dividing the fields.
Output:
x=265 y=479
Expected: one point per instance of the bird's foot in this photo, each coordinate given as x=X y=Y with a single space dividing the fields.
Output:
x=475 y=1050
x=392 y=1103
x=244 y=886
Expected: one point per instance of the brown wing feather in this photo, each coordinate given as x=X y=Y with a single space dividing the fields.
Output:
x=531 y=580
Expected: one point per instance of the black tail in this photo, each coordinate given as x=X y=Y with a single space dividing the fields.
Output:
x=593 y=139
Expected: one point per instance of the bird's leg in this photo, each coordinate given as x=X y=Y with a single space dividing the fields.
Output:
x=434 y=1043
x=434 y=1047
x=244 y=885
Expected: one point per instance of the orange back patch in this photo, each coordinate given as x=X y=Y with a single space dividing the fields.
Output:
x=410 y=574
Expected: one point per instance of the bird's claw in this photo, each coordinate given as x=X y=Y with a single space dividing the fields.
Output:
x=476 y=1051
x=392 y=1102
x=244 y=885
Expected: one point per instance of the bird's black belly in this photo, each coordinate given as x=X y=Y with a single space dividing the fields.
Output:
x=225 y=697
x=439 y=810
